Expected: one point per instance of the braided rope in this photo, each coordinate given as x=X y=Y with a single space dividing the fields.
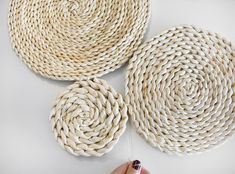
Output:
x=180 y=90
x=88 y=118
x=75 y=39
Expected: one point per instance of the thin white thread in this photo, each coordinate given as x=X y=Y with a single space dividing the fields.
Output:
x=130 y=142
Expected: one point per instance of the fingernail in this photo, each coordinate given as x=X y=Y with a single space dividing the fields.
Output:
x=136 y=165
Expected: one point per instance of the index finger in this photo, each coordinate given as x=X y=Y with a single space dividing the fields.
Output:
x=144 y=171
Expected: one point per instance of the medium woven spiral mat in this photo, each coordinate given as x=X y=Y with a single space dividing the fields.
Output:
x=75 y=39
x=180 y=90
x=88 y=118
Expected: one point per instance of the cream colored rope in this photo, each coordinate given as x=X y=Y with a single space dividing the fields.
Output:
x=180 y=90
x=73 y=39
x=88 y=118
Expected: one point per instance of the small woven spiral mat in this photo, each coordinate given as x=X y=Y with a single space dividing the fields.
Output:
x=74 y=39
x=88 y=118
x=180 y=90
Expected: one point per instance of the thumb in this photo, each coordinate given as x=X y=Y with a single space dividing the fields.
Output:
x=134 y=167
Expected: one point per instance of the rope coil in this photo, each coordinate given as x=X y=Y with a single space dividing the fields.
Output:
x=71 y=40
x=180 y=90
x=89 y=118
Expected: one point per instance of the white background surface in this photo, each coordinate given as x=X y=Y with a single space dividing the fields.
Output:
x=27 y=145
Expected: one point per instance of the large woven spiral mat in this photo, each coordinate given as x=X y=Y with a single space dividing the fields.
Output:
x=180 y=90
x=74 y=39
x=88 y=118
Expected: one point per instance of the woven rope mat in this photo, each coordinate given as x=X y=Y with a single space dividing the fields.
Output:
x=180 y=90
x=74 y=39
x=88 y=118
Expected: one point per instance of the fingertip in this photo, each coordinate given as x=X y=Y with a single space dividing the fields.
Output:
x=134 y=167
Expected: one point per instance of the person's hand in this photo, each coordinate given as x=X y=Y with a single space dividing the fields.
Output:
x=131 y=168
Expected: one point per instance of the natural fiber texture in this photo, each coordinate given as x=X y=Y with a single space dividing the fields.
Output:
x=75 y=39
x=180 y=90
x=88 y=118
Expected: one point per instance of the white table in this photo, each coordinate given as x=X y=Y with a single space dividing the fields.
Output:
x=27 y=145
